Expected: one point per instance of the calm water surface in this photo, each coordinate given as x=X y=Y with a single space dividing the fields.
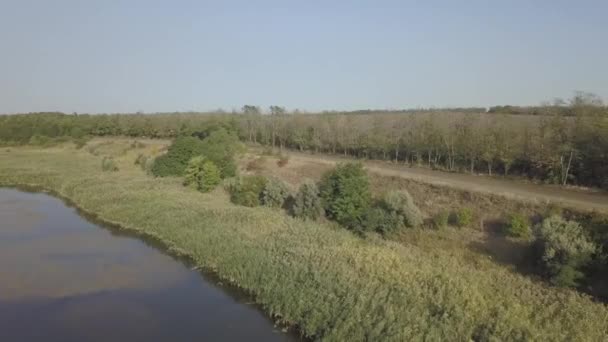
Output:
x=63 y=278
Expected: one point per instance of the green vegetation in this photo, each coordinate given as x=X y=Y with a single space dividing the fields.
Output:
x=275 y=193
x=401 y=204
x=442 y=219
x=564 y=250
x=202 y=174
x=335 y=285
x=108 y=164
x=518 y=226
x=562 y=143
x=247 y=190
x=307 y=202
x=174 y=162
x=464 y=217
x=220 y=147
x=345 y=193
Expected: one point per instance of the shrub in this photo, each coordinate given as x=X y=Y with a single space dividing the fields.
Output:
x=345 y=193
x=307 y=203
x=441 y=220
x=247 y=199
x=247 y=190
x=275 y=193
x=283 y=160
x=518 y=226
x=174 y=162
x=193 y=170
x=464 y=217
x=402 y=204
x=553 y=210
x=381 y=220
x=220 y=147
x=209 y=177
x=202 y=174
x=108 y=164
x=563 y=249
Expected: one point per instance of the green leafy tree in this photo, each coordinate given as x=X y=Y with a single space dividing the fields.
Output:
x=345 y=193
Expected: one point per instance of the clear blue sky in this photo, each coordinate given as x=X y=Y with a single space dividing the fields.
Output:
x=125 y=56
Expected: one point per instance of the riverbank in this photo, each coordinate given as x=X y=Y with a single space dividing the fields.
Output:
x=332 y=284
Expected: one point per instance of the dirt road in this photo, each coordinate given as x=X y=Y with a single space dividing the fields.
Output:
x=577 y=198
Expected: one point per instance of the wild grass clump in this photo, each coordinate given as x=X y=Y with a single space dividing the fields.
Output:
x=275 y=193
x=137 y=144
x=256 y=164
x=345 y=193
x=464 y=217
x=564 y=250
x=441 y=220
x=108 y=164
x=283 y=160
x=518 y=226
x=307 y=203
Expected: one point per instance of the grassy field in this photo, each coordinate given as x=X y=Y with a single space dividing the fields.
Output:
x=334 y=285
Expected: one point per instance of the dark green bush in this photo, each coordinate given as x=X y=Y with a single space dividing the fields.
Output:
x=381 y=220
x=174 y=162
x=220 y=147
x=275 y=193
x=401 y=204
x=108 y=164
x=345 y=193
x=247 y=190
x=563 y=250
x=442 y=219
x=464 y=217
x=518 y=226
x=246 y=198
x=307 y=203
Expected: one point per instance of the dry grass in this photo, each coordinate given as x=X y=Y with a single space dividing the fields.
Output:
x=336 y=286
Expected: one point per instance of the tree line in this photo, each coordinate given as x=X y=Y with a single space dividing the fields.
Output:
x=566 y=145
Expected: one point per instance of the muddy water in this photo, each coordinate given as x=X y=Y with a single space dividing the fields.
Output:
x=63 y=278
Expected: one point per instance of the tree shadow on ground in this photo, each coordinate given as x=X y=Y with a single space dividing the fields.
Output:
x=514 y=253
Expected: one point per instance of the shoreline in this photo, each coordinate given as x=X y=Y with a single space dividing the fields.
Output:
x=211 y=275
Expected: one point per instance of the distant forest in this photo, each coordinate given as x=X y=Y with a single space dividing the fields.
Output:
x=565 y=142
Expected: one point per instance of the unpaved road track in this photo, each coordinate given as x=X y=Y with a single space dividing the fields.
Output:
x=576 y=198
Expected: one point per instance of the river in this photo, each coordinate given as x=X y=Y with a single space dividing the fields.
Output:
x=63 y=278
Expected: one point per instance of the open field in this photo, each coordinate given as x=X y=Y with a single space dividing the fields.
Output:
x=331 y=283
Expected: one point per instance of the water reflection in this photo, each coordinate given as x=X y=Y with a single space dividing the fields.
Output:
x=65 y=279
